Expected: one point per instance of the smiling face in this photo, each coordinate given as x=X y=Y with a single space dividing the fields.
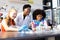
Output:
x=27 y=11
x=39 y=17
x=12 y=13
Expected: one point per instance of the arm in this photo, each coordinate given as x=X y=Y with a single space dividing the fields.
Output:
x=30 y=20
x=17 y=20
x=8 y=28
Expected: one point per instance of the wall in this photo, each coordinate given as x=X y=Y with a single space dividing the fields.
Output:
x=18 y=6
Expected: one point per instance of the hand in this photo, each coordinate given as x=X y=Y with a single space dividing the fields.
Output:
x=31 y=24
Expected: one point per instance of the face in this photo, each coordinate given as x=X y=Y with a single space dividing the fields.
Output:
x=13 y=14
x=27 y=11
x=39 y=17
x=0 y=20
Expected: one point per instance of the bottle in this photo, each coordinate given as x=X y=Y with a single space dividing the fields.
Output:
x=41 y=26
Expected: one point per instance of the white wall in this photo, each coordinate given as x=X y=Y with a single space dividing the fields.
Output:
x=18 y=6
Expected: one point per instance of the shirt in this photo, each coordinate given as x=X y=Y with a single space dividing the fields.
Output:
x=21 y=21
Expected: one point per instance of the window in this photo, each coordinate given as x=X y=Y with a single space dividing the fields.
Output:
x=58 y=2
x=56 y=13
x=48 y=14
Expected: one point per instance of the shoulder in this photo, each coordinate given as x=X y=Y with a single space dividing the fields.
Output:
x=30 y=14
x=34 y=21
x=19 y=13
x=4 y=21
x=45 y=20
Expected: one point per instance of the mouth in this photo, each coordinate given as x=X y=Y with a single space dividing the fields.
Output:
x=14 y=16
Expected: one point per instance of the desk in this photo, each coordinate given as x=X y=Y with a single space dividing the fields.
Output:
x=26 y=36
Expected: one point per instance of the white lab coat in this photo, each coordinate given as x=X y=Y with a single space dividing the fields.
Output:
x=20 y=21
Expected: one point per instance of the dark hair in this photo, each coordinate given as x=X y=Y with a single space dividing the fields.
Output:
x=1 y=18
x=37 y=12
x=26 y=6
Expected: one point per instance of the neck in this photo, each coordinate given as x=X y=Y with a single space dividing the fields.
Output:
x=37 y=20
x=24 y=14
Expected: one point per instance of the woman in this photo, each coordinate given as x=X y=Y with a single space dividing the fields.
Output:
x=8 y=23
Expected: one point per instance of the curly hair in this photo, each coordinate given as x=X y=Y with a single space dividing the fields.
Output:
x=38 y=12
x=8 y=19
